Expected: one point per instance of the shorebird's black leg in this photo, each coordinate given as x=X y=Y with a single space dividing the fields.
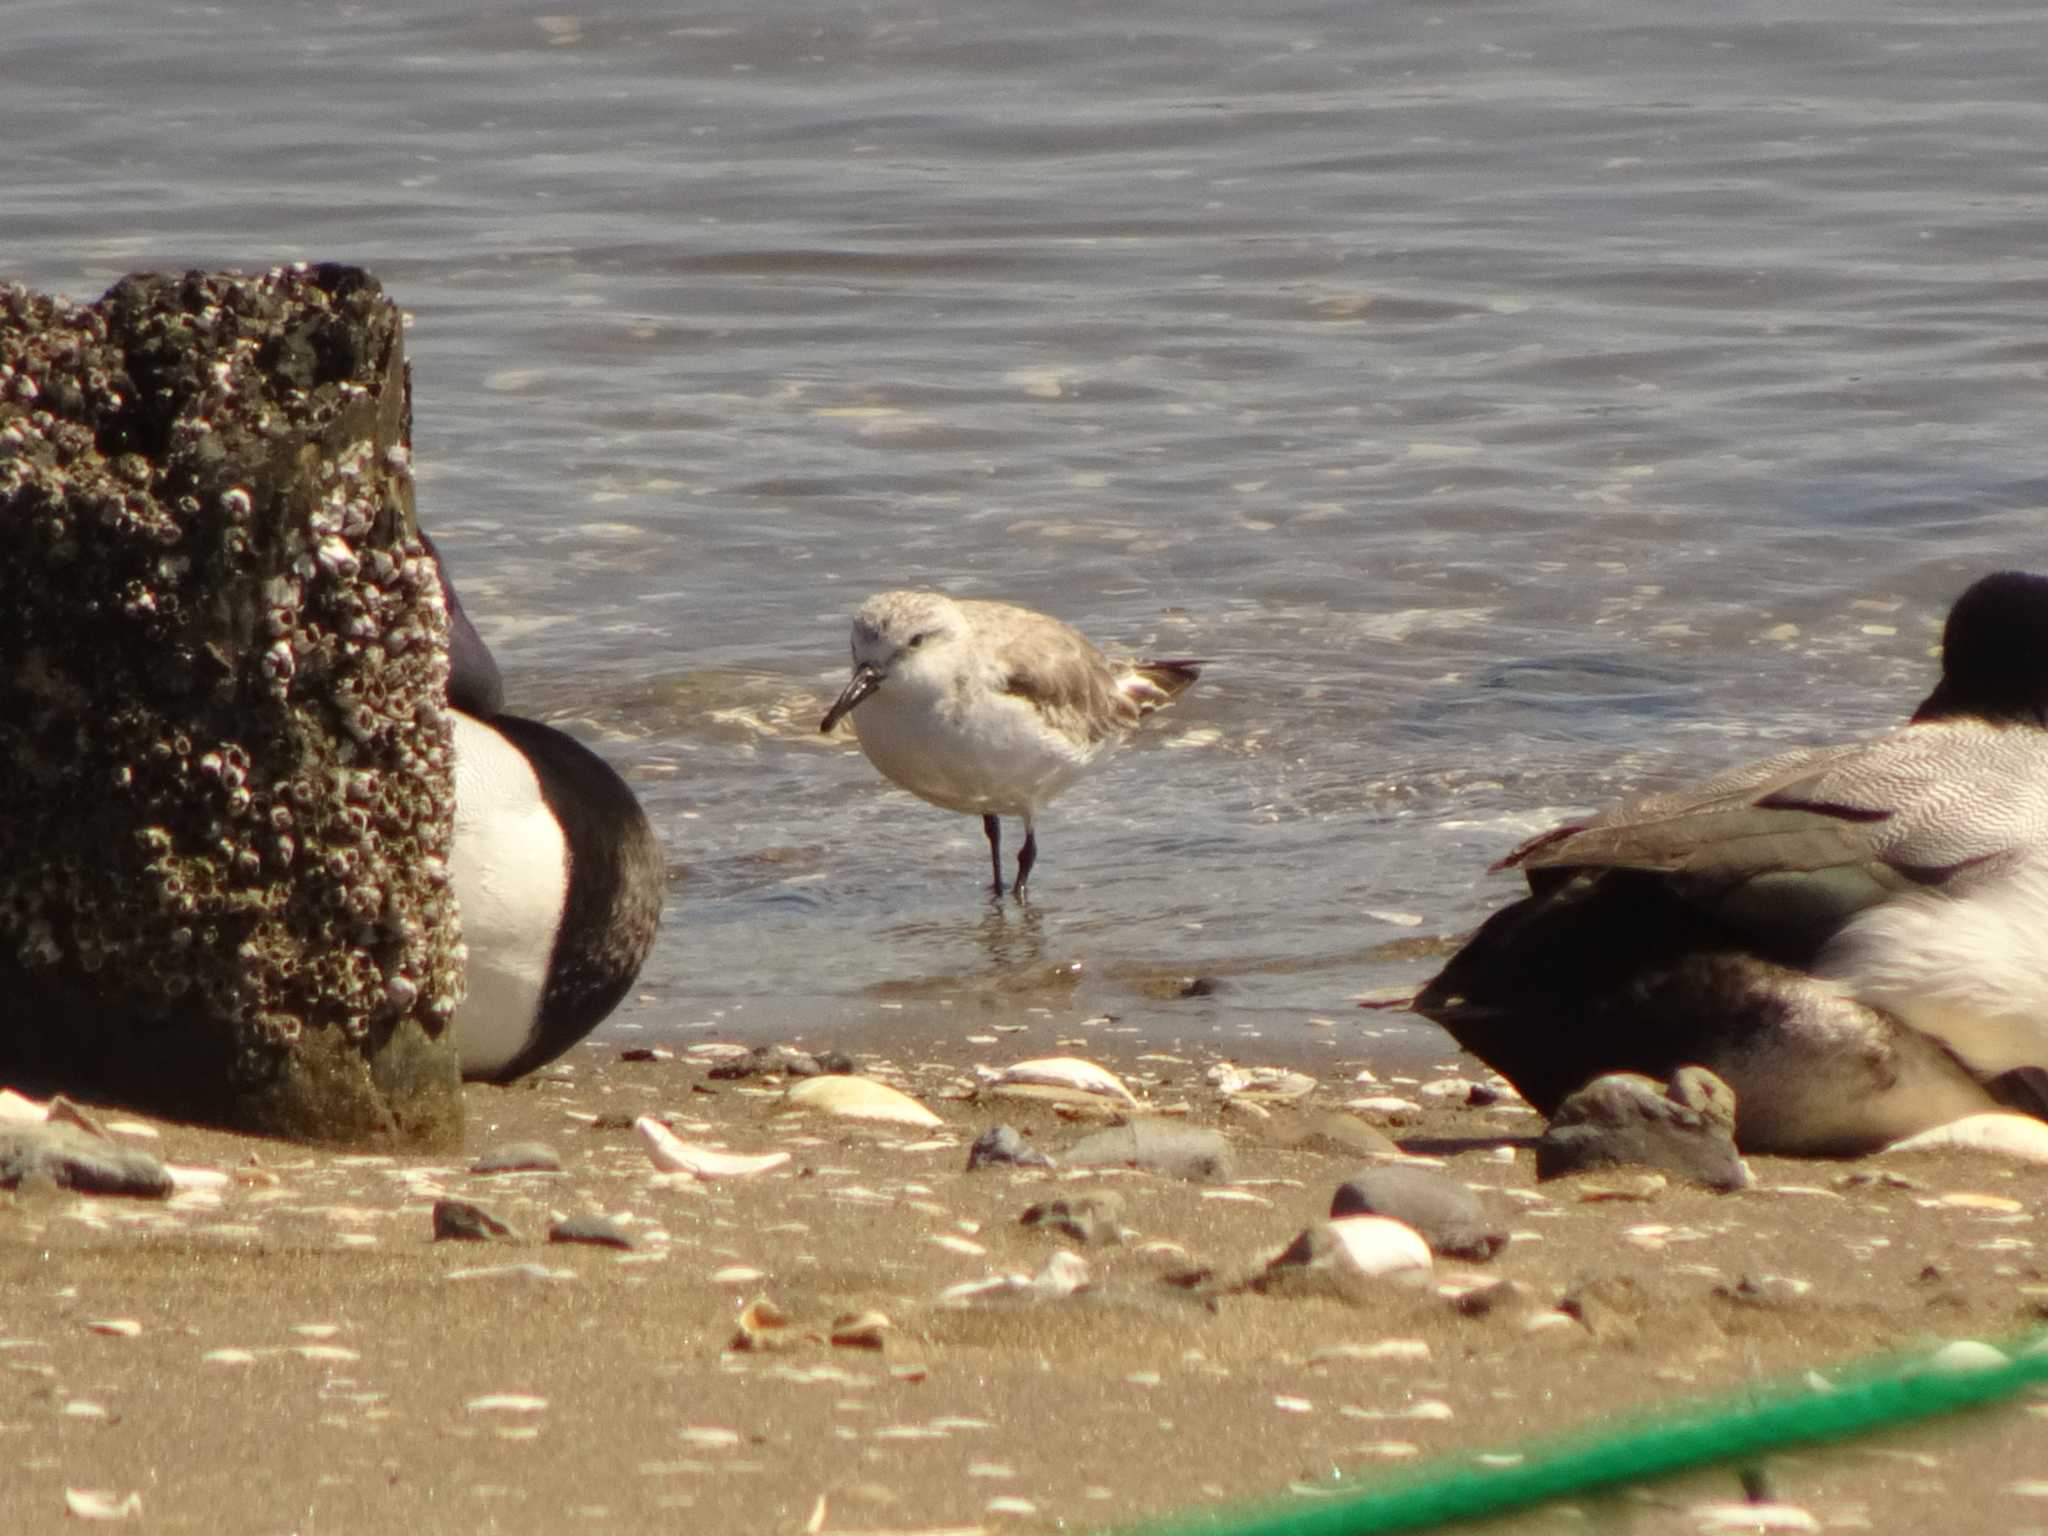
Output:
x=994 y=829
x=1026 y=857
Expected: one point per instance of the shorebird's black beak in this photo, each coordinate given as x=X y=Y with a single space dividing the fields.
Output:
x=866 y=679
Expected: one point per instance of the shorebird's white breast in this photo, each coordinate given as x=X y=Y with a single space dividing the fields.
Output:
x=1971 y=969
x=973 y=750
x=510 y=871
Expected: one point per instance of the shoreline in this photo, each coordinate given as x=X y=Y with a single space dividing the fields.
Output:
x=292 y=1351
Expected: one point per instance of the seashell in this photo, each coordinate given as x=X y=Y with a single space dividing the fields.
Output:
x=196 y=1178
x=115 y=1327
x=506 y=1402
x=1069 y=1073
x=1383 y=1349
x=1379 y=1245
x=860 y=1330
x=1386 y=1105
x=2001 y=1132
x=1970 y=1200
x=1274 y=1085
x=1741 y=1515
x=672 y=1154
x=18 y=1109
x=1959 y=1357
x=94 y=1504
x=859 y=1098
x=762 y=1325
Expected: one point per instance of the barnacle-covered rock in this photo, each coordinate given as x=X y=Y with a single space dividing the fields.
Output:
x=225 y=759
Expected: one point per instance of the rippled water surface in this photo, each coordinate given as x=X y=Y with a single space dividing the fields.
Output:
x=1521 y=403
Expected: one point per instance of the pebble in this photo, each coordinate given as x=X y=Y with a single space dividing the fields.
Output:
x=467 y=1222
x=1447 y=1214
x=781 y=1061
x=1003 y=1146
x=1089 y=1219
x=1182 y=1151
x=70 y=1158
x=1685 y=1127
x=518 y=1157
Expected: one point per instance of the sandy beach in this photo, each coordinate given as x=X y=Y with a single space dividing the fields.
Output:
x=830 y=1345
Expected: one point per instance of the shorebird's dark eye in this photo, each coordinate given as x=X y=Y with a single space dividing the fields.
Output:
x=917 y=639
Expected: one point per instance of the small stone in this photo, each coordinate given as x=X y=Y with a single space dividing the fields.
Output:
x=1508 y=1298
x=464 y=1221
x=1447 y=1214
x=1088 y=1219
x=779 y=1061
x=1001 y=1145
x=590 y=1227
x=1768 y=1291
x=518 y=1157
x=69 y=1158
x=1182 y=1151
x=1627 y=1120
x=1344 y=1135
x=1607 y=1308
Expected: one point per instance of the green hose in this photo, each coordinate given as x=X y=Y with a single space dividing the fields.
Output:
x=1757 y=1421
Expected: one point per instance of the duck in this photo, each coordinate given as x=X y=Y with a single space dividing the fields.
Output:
x=1853 y=936
x=558 y=875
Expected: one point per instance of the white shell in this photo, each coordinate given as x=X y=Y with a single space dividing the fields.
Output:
x=1379 y=1245
x=1067 y=1072
x=15 y=1109
x=1746 y=1517
x=1997 y=1131
x=184 y=1177
x=669 y=1152
x=93 y=1504
x=1960 y=1357
x=859 y=1098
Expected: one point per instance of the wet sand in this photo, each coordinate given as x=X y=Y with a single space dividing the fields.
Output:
x=294 y=1352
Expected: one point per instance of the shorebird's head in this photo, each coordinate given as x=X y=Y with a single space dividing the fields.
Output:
x=1994 y=654
x=895 y=633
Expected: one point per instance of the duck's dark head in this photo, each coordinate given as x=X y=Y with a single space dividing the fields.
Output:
x=1994 y=654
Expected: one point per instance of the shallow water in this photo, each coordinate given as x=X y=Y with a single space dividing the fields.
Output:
x=1521 y=403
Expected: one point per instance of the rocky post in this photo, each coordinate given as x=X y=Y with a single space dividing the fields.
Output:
x=226 y=766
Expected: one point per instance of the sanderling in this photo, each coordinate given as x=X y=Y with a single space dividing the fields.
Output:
x=987 y=708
